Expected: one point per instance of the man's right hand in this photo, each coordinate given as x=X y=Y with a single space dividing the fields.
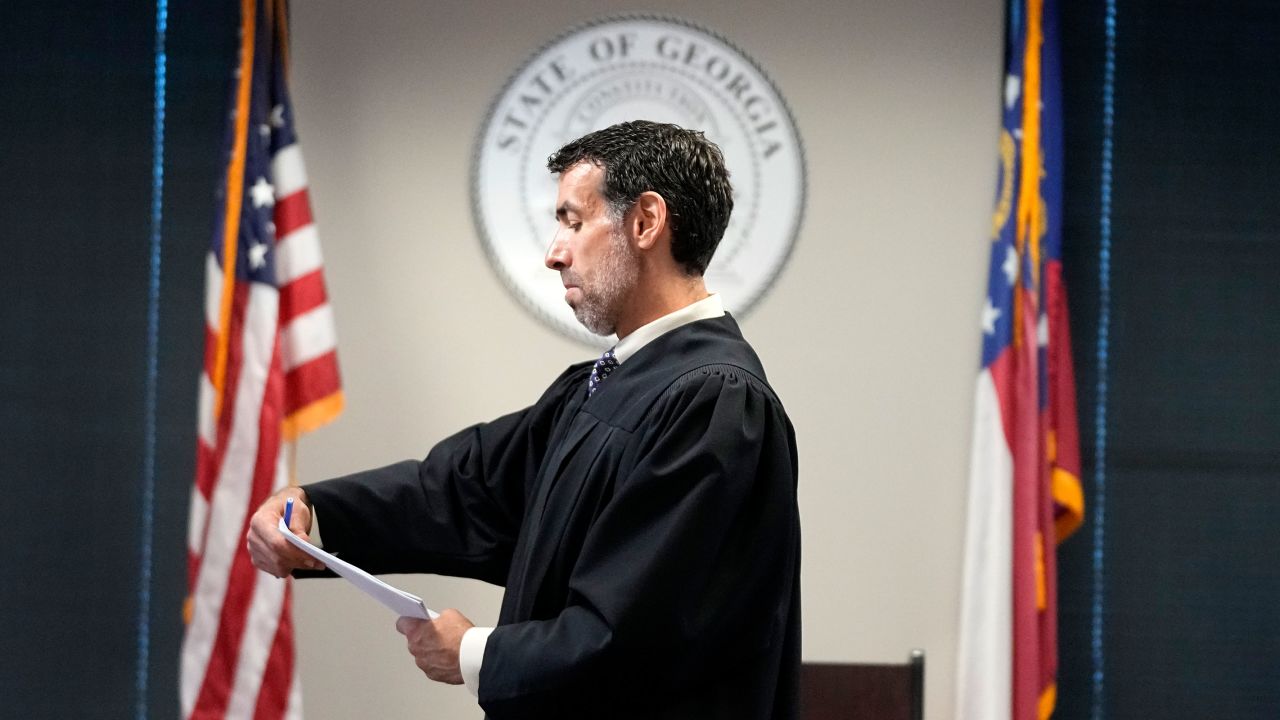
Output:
x=270 y=552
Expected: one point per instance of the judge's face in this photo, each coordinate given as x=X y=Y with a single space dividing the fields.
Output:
x=591 y=251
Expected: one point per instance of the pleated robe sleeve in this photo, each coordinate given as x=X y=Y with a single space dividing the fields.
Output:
x=687 y=577
x=457 y=512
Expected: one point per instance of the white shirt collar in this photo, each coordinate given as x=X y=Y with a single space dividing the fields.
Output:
x=706 y=308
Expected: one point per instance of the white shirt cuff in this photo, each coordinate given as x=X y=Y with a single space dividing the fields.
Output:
x=314 y=533
x=471 y=654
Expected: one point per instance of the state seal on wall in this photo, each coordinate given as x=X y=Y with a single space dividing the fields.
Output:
x=637 y=68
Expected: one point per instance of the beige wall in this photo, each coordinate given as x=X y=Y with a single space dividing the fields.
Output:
x=870 y=335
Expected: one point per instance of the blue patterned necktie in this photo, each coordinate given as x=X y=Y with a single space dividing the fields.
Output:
x=605 y=365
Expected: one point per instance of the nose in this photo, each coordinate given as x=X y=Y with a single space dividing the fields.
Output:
x=558 y=253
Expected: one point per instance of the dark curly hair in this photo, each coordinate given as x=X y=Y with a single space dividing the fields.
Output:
x=682 y=166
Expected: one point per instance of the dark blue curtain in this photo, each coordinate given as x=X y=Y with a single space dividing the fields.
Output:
x=1192 y=571
x=75 y=221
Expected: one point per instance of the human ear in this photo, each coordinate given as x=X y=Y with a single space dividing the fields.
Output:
x=649 y=220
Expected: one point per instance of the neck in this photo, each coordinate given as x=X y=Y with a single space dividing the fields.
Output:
x=650 y=303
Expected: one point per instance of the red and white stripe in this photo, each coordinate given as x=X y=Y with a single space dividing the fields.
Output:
x=238 y=652
x=309 y=345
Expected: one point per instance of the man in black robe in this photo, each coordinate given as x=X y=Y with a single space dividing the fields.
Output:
x=641 y=514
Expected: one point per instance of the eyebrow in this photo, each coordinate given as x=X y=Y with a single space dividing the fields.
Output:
x=565 y=208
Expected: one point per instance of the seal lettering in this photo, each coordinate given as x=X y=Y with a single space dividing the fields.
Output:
x=605 y=48
x=539 y=89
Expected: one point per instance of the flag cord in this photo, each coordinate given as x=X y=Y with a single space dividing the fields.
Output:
x=1100 y=411
x=153 y=347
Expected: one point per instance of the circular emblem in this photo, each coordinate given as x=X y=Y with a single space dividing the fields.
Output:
x=637 y=68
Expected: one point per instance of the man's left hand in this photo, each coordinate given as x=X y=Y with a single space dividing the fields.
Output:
x=434 y=644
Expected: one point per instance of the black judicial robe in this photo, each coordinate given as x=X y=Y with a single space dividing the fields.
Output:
x=648 y=537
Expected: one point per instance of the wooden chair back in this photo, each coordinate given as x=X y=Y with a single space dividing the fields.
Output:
x=860 y=691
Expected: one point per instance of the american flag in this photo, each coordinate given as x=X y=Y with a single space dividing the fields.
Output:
x=270 y=374
x=1025 y=494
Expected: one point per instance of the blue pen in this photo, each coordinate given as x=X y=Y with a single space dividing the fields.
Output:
x=288 y=511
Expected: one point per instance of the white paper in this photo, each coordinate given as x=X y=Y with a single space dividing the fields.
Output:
x=403 y=603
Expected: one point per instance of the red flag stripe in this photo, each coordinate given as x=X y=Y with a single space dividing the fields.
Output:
x=1027 y=459
x=302 y=295
x=312 y=381
x=292 y=212
x=205 y=470
x=273 y=697
x=193 y=568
